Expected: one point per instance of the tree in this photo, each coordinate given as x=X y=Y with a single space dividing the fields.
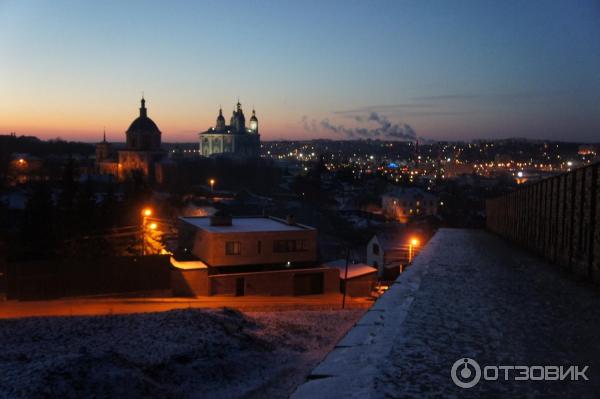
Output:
x=38 y=234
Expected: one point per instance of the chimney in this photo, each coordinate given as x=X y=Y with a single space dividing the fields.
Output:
x=220 y=218
x=290 y=219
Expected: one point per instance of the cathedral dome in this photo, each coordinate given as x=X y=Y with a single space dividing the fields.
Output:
x=254 y=122
x=143 y=134
x=220 y=126
x=143 y=124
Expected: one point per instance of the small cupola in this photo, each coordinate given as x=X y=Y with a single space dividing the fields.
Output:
x=254 y=122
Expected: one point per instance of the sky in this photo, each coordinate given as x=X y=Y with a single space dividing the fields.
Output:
x=439 y=70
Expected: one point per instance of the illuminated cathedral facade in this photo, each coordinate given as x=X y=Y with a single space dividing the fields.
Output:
x=143 y=154
x=234 y=139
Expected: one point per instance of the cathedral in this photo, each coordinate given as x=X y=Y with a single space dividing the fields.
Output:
x=234 y=139
x=142 y=152
x=142 y=149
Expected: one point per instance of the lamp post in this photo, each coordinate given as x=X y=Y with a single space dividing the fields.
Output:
x=413 y=243
x=146 y=213
x=346 y=277
x=212 y=184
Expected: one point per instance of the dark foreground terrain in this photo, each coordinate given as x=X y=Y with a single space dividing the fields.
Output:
x=177 y=354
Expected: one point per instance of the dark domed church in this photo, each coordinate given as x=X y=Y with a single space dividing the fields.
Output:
x=233 y=139
x=142 y=150
x=142 y=153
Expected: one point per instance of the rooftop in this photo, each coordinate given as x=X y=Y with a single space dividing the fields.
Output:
x=354 y=269
x=246 y=225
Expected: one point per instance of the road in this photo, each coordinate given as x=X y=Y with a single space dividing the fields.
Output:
x=115 y=305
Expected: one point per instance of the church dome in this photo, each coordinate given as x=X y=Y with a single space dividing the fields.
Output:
x=220 y=121
x=143 y=134
x=142 y=123
x=254 y=122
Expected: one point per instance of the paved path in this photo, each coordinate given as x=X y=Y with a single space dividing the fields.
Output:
x=469 y=294
x=104 y=305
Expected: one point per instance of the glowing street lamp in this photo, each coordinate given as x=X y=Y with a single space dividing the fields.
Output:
x=414 y=242
x=152 y=226
x=212 y=184
x=146 y=213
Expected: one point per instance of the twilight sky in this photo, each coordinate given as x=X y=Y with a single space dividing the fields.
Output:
x=443 y=69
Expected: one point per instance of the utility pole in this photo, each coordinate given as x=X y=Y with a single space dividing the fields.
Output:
x=346 y=277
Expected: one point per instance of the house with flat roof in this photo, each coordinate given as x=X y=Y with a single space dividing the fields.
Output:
x=249 y=256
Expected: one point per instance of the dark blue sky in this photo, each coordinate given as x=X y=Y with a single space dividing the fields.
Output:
x=448 y=69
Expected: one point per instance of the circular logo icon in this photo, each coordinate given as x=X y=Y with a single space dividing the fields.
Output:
x=466 y=372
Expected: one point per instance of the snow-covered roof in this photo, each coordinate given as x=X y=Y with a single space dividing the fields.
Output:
x=245 y=225
x=188 y=265
x=354 y=269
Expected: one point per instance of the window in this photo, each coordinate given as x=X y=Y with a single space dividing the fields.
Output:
x=233 y=248
x=376 y=248
x=289 y=245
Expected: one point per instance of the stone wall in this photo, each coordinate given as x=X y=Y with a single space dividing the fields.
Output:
x=558 y=218
x=37 y=280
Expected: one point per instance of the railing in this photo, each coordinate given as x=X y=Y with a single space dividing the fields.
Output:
x=556 y=217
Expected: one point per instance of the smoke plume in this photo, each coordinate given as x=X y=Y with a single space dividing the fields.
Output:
x=378 y=127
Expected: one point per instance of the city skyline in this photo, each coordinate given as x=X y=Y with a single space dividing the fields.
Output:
x=333 y=70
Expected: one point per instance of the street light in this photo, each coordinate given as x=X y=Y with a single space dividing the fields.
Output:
x=212 y=184
x=152 y=226
x=146 y=213
x=414 y=242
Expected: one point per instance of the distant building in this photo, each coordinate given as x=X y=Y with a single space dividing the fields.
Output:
x=142 y=151
x=405 y=203
x=233 y=139
x=587 y=150
x=249 y=256
x=106 y=163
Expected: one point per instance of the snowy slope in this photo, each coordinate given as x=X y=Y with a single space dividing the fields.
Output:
x=177 y=354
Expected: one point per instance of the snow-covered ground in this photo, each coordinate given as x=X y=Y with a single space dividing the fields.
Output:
x=468 y=294
x=177 y=354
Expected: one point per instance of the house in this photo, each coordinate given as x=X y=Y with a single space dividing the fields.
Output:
x=224 y=255
x=405 y=203
x=390 y=253
x=358 y=281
